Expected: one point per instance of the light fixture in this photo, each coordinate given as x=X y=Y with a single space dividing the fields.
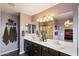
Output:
x=67 y=23
x=40 y=19
x=45 y=19
x=37 y=20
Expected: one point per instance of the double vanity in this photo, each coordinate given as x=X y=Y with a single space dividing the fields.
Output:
x=36 y=47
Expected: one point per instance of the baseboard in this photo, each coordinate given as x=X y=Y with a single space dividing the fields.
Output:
x=22 y=52
x=8 y=51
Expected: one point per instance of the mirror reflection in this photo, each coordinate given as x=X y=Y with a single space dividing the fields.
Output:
x=64 y=25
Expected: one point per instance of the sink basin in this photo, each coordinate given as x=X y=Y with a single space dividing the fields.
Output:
x=59 y=44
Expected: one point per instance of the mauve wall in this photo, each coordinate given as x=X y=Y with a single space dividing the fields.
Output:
x=11 y=46
x=24 y=19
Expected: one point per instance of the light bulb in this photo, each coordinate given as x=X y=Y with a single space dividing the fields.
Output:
x=51 y=18
x=47 y=19
x=40 y=19
x=37 y=20
x=44 y=19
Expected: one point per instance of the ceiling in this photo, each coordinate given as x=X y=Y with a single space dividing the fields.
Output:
x=65 y=16
x=28 y=8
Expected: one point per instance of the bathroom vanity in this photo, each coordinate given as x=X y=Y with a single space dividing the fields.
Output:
x=35 y=47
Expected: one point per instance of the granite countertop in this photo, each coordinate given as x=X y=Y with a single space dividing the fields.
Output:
x=62 y=46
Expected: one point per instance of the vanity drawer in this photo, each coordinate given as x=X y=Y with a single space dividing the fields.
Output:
x=53 y=52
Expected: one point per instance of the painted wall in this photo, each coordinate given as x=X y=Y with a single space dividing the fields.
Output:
x=11 y=46
x=60 y=29
x=24 y=19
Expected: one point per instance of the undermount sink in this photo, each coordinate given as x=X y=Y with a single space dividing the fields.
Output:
x=60 y=44
x=57 y=42
x=35 y=38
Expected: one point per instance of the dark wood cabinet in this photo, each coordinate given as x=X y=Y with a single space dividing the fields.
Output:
x=34 y=49
x=63 y=54
x=44 y=51
x=53 y=52
x=28 y=47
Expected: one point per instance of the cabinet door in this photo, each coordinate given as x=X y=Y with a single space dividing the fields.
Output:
x=36 y=49
x=28 y=47
x=53 y=52
x=44 y=51
x=25 y=45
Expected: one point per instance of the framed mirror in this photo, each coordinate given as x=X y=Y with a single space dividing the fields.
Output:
x=30 y=28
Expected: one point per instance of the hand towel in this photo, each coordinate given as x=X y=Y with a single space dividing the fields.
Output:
x=5 y=36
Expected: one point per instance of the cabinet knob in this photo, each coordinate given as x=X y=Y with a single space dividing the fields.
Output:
x=36 y=51
x=44 y=49
x=35 y=45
